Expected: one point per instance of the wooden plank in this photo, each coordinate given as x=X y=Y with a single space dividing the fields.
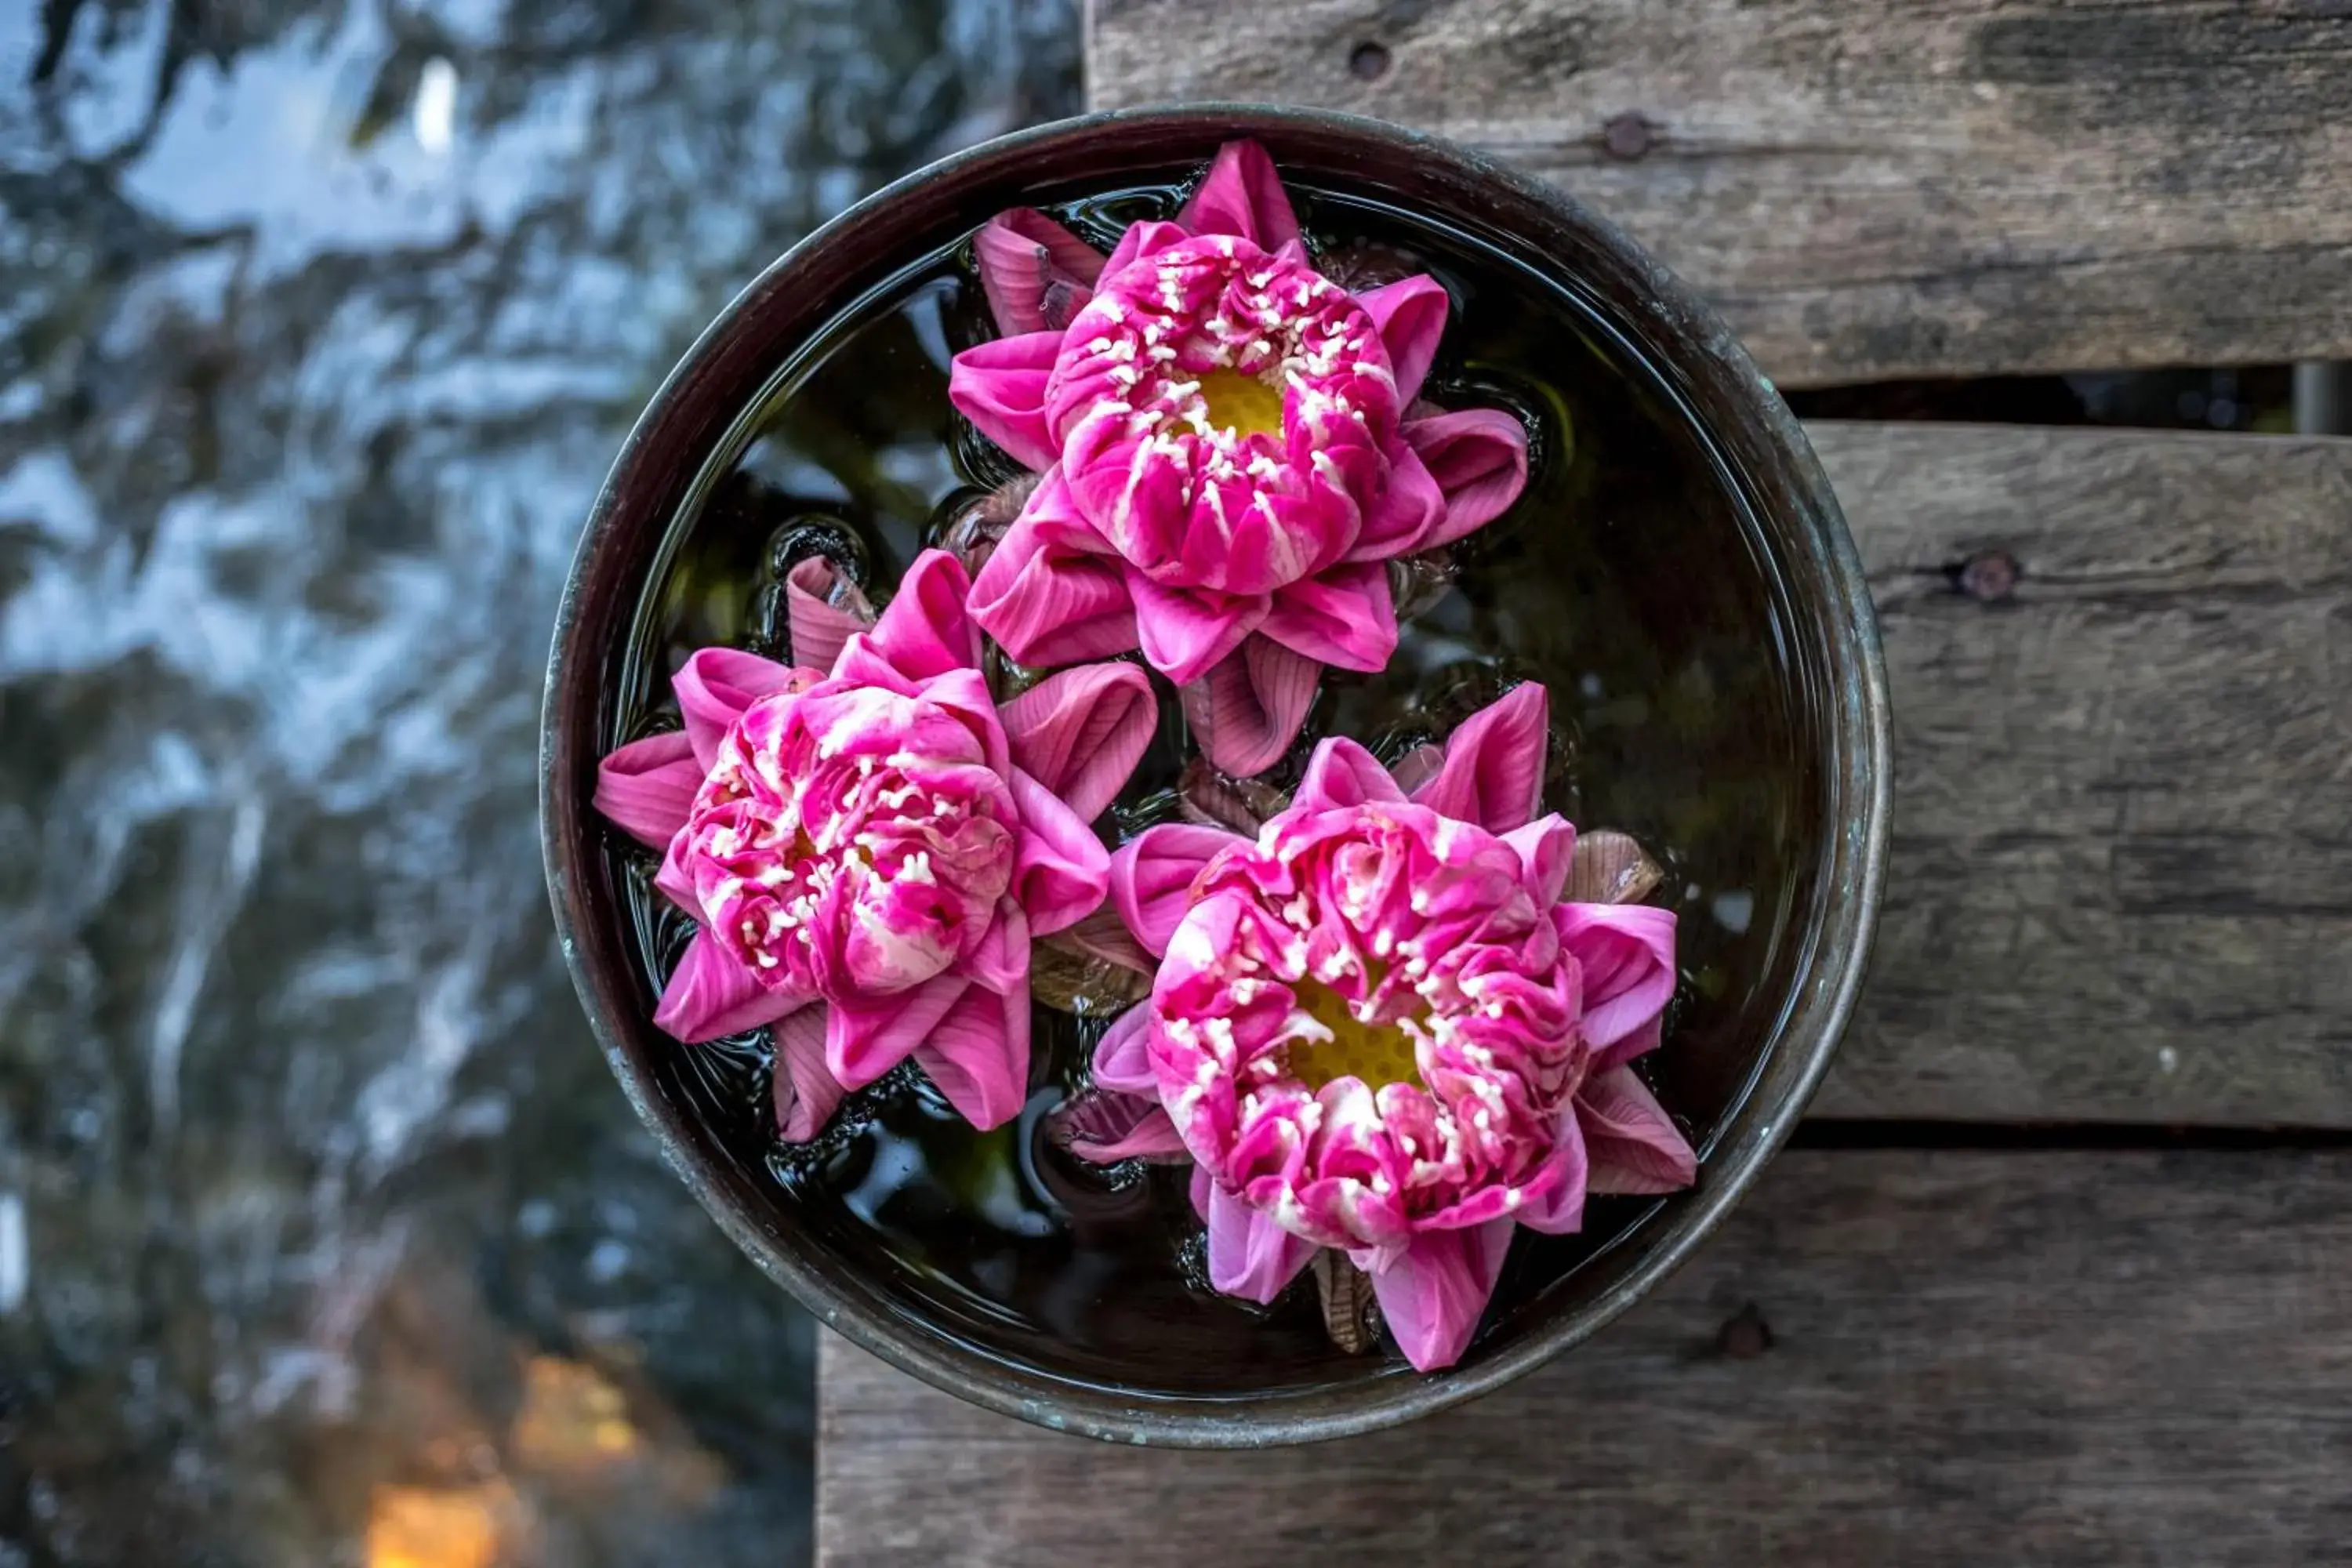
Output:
x=1972 y=1358
x=1870 y=190
x=2121 y=884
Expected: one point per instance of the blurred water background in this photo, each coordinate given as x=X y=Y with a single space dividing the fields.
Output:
x=325 y=1236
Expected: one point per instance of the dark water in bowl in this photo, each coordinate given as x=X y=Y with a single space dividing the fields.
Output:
x=1628 y=579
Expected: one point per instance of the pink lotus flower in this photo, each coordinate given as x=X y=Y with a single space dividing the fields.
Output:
x=1379 y=1027
x=870 y=850
x=1231 y=451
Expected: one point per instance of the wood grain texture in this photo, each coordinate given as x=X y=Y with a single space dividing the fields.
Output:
x=1870 y=190
x=1953 y=1357
x=2121 y=878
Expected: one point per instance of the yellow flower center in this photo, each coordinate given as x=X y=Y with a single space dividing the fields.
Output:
x=1376 y=1054
x=1242 y=403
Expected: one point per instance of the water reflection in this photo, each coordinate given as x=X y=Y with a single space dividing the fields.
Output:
x=324 y=1236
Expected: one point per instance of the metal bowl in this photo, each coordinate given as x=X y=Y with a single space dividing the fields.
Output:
x=1834 y=672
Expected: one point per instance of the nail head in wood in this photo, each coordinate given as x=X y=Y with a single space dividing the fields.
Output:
x=1745 y=1335
x=1991 y=576
x=1626 y=136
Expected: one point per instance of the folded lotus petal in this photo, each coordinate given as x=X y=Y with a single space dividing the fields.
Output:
x=1143 y=240
x=1493 y=766
x=1151 y=878
x=1341 y=774
x=1122 y=1058
x=1183 y=633
x=1060 y=870
x=880 y=956
x=925 y=630
x=1123 y=1128
x=1409 y=514
x=860 y=663
x=1433 y=1295
x=1630 y=1047
x=1632 y=1145
x=866 y=1036
x=1543 y=1191
x=964 y=694
x=1051 y=510
x=1558 y=1208
x=1251 y=705
x=1478 y=459
x=1001 y=959
x=647 y=787
x=1242 y=194
x=977 y=1056
x=1046 y=602
x=1080 y=733
x=1249 y=1254
x=675 y=879
x=1546 y=847
x=1627 y=955
x=1343 y=617
x=1410 y=316
x=1037 y=274
x=823 y=609
x=1104 y=935
x=806 y=1092
x=715 y=685
x=999 y=386
x=711 y=994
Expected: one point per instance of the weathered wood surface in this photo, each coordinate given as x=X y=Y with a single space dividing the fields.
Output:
x=1870 y=190
x=1972 y=1358
x=2121 y=882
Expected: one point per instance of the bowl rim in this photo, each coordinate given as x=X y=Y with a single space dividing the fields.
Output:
x=1814 y=1016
